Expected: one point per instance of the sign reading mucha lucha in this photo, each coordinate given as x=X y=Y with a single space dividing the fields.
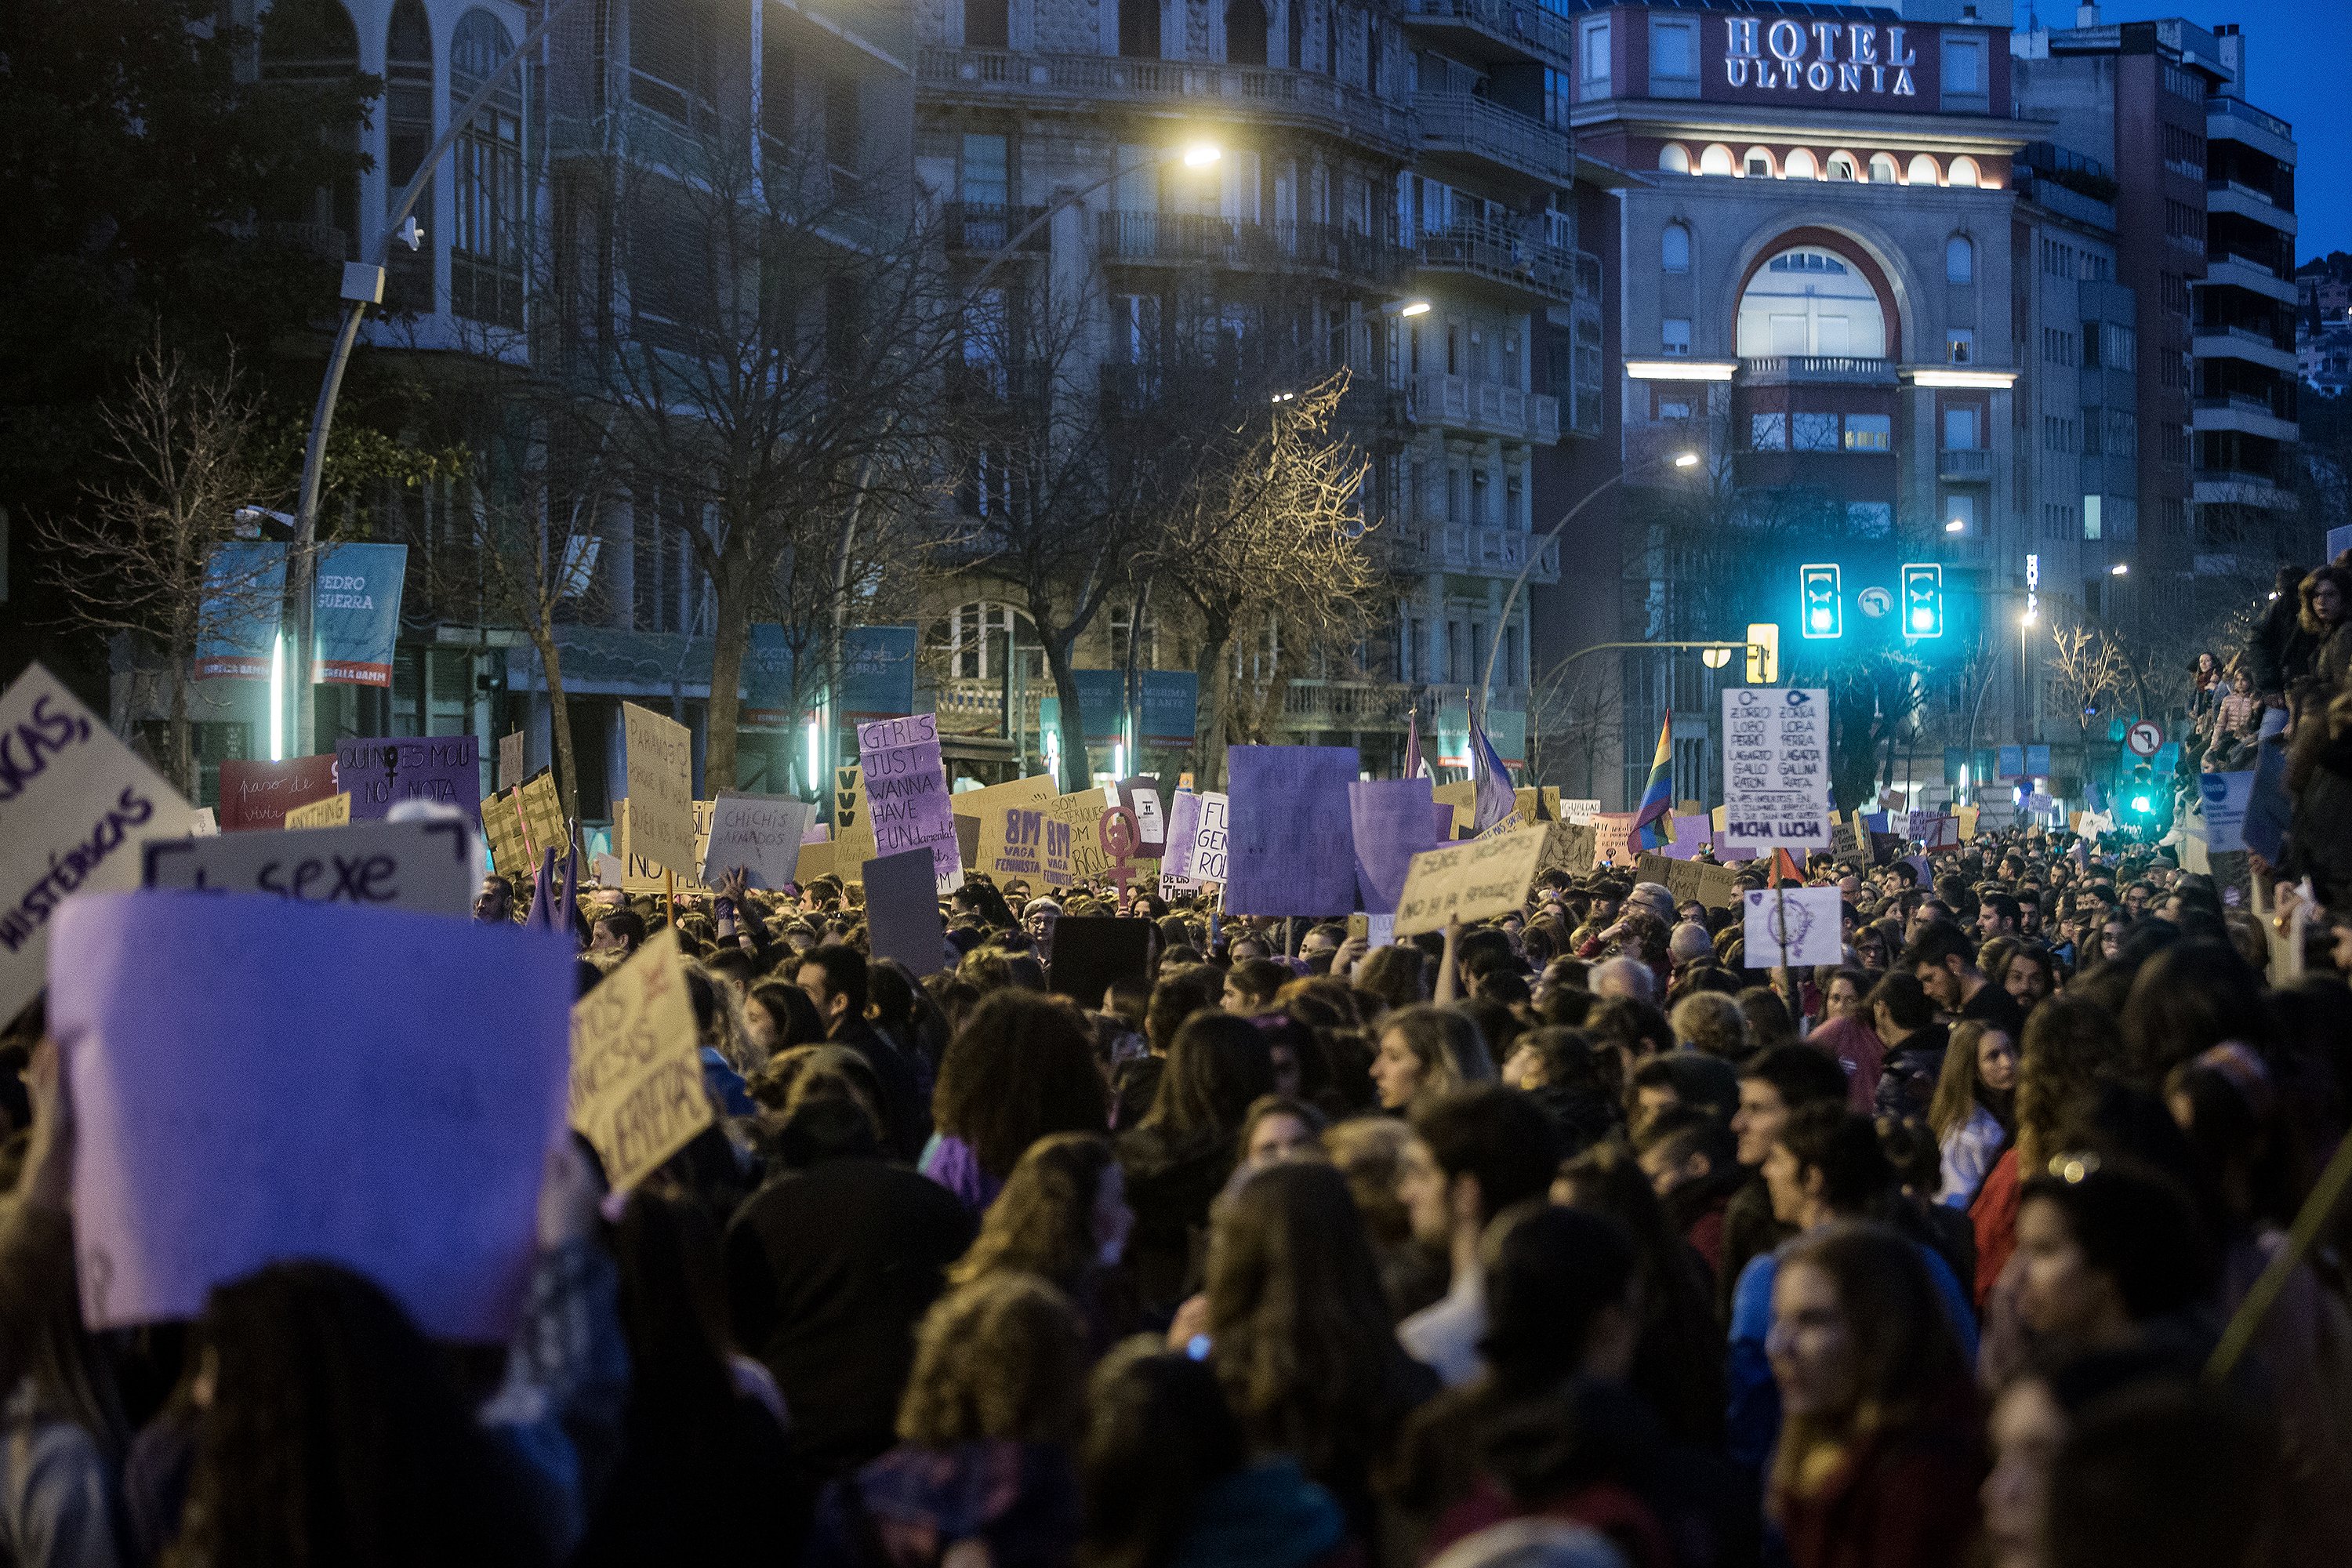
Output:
x=1819 y=57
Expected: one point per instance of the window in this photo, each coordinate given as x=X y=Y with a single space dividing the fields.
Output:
x=1674 y=248
x=1964 y=173
x=1147 y=652
x=1673 y=58
x=1808 y=302
x=1960 y=429
x=986 y=24
x=1800 y=165
x=2120 y=433
x=1758 y=163
x=1139 y=29
x=1592 y=46
x=1924 y=170
x=1964 y=67
x=408 y=135
x=1674 y=158
x=1959 y=260
x=2091 y=519
x=1244 y=33
x=1675 y=334
x=987 y=174
x=486 y=240
x=1959 y=345
x=1674 y=408
x=1814 y=432
x=1869 y=432
x=1961 y=510
x=1767 y=432
x=1842 y=167
x=1882 y=171
x=1715 y=160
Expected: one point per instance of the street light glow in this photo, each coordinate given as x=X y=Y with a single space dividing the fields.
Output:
x=1201 y=154
x=2119 y=569
x=1686 y=460
x=1416 y=308
x=1958 y=525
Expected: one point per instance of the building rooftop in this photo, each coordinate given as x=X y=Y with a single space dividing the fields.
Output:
x=1747 y=7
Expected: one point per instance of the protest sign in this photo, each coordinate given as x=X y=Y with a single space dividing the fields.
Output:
x=760 y=833
x=1578 y=810
x=75 y=803
x=1690 y=836
x=385 y=770
x=1081 y=812
x=258 y=794
x=1024 y=841
x=636 y=1091
x=1569 y=847
x=1141 y=796
x=967 y=840
x=1716 y=886
x=335 y=811
x=902 y=910
x=816 y=860
x=502 y=826
x=1091 y=952
x=1183 y=830
x=1390 y=820
x=1793 y=927
x=1611 y=830
x=1212 y=841
x=1462 y=796
x=510 y=760
x=426 y=1055
x=906 y=796
x=541 y=811
x=427 y=866
x=1776 y=767
x=1291 y=851
x=659 y=771
x=2224 y=798
x=204 y=824
x=1535 y=805
x=852 y=831
x=639 y=875
x=1474 y=881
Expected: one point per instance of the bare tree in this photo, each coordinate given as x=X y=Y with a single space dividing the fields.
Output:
x=1572 y=719
x=2087 y=667
x=183 y=445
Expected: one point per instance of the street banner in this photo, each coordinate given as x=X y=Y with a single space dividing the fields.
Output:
x=1793 y=928
x=660 y=777
x=427 y=866
x=385 y=770
x=244 y=599
x=74 y=805
x=254 y=1082
x=760 y=833
x=1390 y=819
x=1474 y=881
x=356 y=620
x=907 y=801
x=1776 y=767
x=636 y=1091
x=1292 y=852
x=335 y=811
x=902 y=910
x=258 y=794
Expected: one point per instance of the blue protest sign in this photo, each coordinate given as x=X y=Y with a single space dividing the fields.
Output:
x=1391 y=821
x=357 y=618
x=1292 y=850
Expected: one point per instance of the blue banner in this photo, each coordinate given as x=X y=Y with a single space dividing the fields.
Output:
x=877 y=673
x=356 y=620
x=2011 y=764
x=244 y=594
x=2037 y=761
x=1171 y=707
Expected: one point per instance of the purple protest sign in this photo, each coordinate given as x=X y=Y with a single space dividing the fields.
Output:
x=1183 y=829
x=255 y=1079
x=907 y=793
x=1692 y=835
x=1392 y=822
x=1291 y=852
x=382 y=772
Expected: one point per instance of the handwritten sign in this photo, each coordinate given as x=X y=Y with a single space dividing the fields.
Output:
x=1022 y=841
x=760 y=833
x=1390 y=819
x=1776 y=767
x=1795 y=927
x=639 y=875
x=258 y=794
x=204 y=824
x=1578 y=810
x=1462 y=796
x=74 y=805
x=502 y=825
x=660 y=771
x=1611 y=830
x=1292 y=850
x=1213 y=839
x=853 y=830
x=541 y=811
x=906 y=801
x=636 y=1091
x=427 y=866
x=1472 y=881
x=510 y=760
x=335 y=811
x=255 y=1081
x=1080 y=812
x=382 y=771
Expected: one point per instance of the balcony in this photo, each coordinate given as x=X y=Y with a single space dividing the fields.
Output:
x=1493 y=253
x=976 y=706
x=984 y=228
x=1493 y=31
x=1967 y=464
x=2248 y=202
x=1308 y=100
x=1779 y=370
x=2235 y=119
x=2227 y=268
x=1465 y=128
x=2245 y=414
x=2229 y=487
x=1347 y=705
x=1483 y=552
x=1191 y=240
x=2243 y=343
x=1486 y=408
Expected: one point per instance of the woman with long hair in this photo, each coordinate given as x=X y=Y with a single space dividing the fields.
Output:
x=777 y=1016
x=1063 y=1217
x=1880 y=1455
x=2071 y=1048
x=1022 y=1068
x=1974 y=1111
x=1427 y=1049
x=1180 y=1157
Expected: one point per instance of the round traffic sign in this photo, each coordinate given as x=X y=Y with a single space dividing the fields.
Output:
x=2144 y=739
x=1875 y=601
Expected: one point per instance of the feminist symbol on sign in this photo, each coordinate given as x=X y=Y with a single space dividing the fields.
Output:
x=1120 y=838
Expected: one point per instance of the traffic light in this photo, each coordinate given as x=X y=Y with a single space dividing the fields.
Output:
x=1923 y=601
x=2143 y=795
x=1763 y=652
x=1821 y=602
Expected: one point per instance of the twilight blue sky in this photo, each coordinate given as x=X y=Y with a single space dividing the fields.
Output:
x=2295 y=54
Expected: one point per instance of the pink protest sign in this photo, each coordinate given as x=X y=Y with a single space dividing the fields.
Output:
x=255 y=1080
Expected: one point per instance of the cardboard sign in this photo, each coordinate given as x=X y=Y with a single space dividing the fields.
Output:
x=204 y=824
x=660 y=776
x=427 y=866
x=1462 y=796
x=1024 y=841
x=1569 y=847
x=1474 y=881
x=335 y=811
x=967 y=840
x=1611 y=830
x=1212 y=840
x=1080 y=811
x=1776 y=767
x=1292 y=852
x=1183 y=832
x=1537 y=805
x=1933 y=830
x=902 y=910
x=254 y=1081
x=1692 y=882
x=639 y=875
x=817 y=860
x=540 y=809
x=907 y=793
x=510 y=760
x=1793 y=927
x=75 y=803
x=636 y=1091
x=502 y=826
x=1390 y=819
x=1091 y=952
x=258 y=794
x=760 y=833
x=1578 y=810
x=386 y=770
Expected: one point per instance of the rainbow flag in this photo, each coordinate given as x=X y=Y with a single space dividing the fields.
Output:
x=1658 y=798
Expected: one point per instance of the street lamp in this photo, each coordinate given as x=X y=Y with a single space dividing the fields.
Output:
x=1716 y=656
x=2120 y=568
x=1199 y=153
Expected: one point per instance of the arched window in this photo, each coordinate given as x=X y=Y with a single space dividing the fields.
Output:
x=1759 y=164
x=1959 y=260
x=1139 y=29
x=987 y=24
x=1244 y=33
x=1673 y=159
x=1844 y=166
x=1715 y=160
x=486 y=235
x=1674 y=248
x=1811 y=301
x=1882 y=171
x=1924 y=170
x=975 y=640
x=313 y=41
x=1964 y=171
x=408 y=136
x=1800 y=165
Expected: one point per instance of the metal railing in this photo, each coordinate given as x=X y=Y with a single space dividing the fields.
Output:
x=2238 y=108
x=1486 y=406
x=1194 y=240
x=1964 y=463
x=1466 y=122
x=2228 y=257
x=985 y=227
x=1494 y=251
x=1845 y=368
x=1524 y=26
x=1460 y=547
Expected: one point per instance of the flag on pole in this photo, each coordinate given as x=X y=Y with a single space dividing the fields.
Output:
x=1658 y=798
x=1414 y=767
x=1495 y=799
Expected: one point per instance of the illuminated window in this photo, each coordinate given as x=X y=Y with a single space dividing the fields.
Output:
x=1964 y=172
x=1924 y=170
x=1800 y=165
x=1808 y=301
x=1673 y=159
x=1715 y=160
x=1843 y=167
x=1758 y=165
x=1882 y=171
x=1869 y=432
x=1675 y=334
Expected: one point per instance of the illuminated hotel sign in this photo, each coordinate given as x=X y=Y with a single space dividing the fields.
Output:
x=1818 y=57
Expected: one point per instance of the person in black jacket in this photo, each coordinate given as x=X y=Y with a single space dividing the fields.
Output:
x=2319 y=776
x=835 y=979
x=2278 y=650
